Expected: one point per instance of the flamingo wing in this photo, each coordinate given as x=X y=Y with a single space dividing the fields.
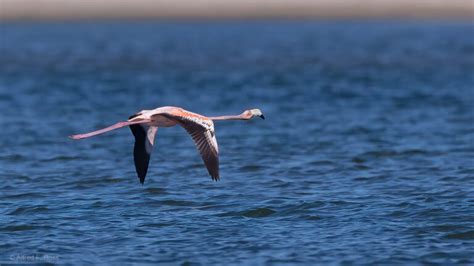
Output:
x=144 y=141
x=202 y=131
x=206 y=143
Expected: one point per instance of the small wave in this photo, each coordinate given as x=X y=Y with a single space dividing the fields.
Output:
x=155 y=191
x=258 y=213
x=177 y=203
x=23 y=227
x=62 y=158
x=414 y=152
x=24 y=195
x=193 y=166
x=358 y=160
x=252 y=213
x=399 y=214
x=24 y=210
x=251 y=168
x=322 y=163
x=361 y=167
x=156 y=225
x=91 y=182
x=277 y=183
x=359 y=130
x=311 y=217
x=14 y=158
x=378 y=154
x=18 y=177
x=392 y=153
x=302 y=208
x=448 y=228
x=468 y=235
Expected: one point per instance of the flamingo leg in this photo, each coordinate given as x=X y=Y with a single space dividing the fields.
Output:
x=112 y=127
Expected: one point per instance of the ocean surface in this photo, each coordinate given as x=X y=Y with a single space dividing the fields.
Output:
x=366 y=155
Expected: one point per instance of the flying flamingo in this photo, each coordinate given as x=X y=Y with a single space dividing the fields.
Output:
x=145 y=123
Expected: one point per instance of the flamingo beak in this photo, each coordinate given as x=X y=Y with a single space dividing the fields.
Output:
x=262 y=117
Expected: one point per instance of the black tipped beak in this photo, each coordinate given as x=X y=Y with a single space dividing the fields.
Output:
x=262 y=117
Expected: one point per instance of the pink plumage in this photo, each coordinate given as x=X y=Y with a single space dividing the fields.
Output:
x=145 y=124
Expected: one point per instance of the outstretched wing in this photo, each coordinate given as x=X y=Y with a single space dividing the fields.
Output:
x=206 y=143
x=144 y=140
x=201 y=130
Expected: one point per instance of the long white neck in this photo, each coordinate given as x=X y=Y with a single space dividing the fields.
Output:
x=229 y=117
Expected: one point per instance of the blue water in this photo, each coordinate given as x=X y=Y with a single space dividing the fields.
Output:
x=366 y=154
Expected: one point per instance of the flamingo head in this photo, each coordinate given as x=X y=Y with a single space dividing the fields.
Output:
x=253 y=113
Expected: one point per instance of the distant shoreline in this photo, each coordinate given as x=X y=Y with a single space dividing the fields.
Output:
x=56 y=10
x=197 y=21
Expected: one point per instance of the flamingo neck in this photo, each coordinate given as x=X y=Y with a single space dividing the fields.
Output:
x=228 y=117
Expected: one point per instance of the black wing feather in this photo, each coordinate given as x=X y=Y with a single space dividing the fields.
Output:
x=202 y=139
x=140 y=155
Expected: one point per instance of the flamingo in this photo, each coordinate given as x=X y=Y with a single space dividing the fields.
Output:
x=145 y=124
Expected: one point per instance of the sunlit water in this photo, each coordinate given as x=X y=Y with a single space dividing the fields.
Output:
x=366 y=154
